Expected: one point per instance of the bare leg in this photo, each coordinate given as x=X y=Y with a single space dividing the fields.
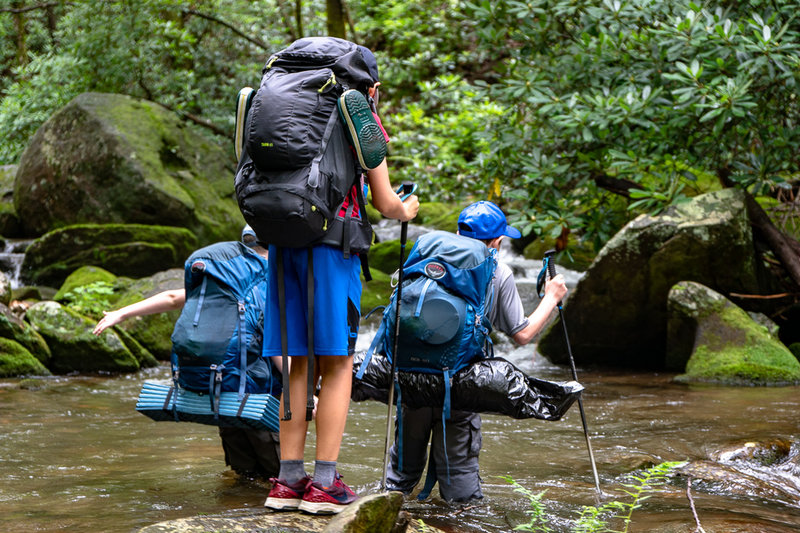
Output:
x=334 y=402
x=293 y=432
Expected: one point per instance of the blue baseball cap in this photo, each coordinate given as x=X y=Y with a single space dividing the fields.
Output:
x=484 y=220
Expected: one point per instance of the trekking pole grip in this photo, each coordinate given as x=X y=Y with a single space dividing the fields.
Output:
x=551 y=266
x=408 y=186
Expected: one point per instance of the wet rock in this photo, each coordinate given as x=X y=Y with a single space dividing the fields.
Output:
x=153 y=332
x=75 y=348
x=370 y=514
x=9 y=223
x=15 y=360
x=728 y=479
x=765 y=453
x=376 y=513
x=718 y=342
x=617 y=314
x=5 y=289
x=110 y=158
x=14 y=328
x=85 y=275
x=132 y=250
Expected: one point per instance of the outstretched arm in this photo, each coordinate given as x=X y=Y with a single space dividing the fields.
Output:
x=159 y=303
x=554 y=291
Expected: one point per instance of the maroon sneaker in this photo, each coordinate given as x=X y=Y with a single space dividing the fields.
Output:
x=284 y=496
x=327 y=500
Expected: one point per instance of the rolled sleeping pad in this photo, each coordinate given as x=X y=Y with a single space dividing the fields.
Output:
x=254 y=411
x=486 y=386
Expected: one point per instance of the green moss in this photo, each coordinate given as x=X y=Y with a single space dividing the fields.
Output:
x=735 y=350
x=84 y=276
x=15 y=360
x=376 y=292
x=385 y=256
x=74 y=346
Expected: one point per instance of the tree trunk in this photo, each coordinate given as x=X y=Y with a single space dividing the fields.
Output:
x=298 y=17
x=19 y=26
x=336 y=19
x=786 y=249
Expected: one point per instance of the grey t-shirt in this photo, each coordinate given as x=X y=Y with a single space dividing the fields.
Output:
x=506 y=312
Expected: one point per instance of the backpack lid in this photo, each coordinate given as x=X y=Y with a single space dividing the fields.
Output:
x=230 y=262
x=463 y=265
x=344 y=58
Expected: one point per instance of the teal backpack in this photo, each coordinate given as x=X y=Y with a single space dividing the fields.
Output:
x=447 y=290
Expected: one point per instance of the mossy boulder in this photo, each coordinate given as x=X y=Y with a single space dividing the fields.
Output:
x=15 y=360
x=14 y=328
x=111 y=158
x=617 y=313
x=578 y=255
x=385 y=256
x=439 y=216
x=34 y=292
x=85 y=275
x=370 y=514
x=9 y=223
x=132 y=250
x=719 y=343
x=153 y=332
x=376 y=292
x=75 y=348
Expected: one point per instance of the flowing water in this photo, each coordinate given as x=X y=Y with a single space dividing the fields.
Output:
x=75 y=456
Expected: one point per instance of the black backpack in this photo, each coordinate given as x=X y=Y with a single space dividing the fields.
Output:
x=296 y=167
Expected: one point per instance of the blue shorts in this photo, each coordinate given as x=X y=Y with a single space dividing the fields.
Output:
x=337 y=302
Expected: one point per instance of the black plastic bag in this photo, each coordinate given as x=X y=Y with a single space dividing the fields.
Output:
x=487 y=386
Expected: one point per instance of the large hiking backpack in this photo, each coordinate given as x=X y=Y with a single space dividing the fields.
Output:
x=296 y=166
x=446 y=291
x=217 y=341
x=445 y=294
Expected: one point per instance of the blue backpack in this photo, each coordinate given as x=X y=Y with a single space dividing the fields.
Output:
x=443 y=324
x=217 y=341
x=447 y=281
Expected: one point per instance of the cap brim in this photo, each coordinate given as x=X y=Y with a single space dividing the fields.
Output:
x=514 y=233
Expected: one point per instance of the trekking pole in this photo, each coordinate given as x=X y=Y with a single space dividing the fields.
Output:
x=407 y=188
x=551 y=269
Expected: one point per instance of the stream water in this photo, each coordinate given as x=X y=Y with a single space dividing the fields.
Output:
x=76 y=456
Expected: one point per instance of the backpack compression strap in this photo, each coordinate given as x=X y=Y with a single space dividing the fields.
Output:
x=313 y=176
x=311 y=387
x=287 y=411
x=242 y=350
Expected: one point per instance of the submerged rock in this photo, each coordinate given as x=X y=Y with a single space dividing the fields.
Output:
x=617 y=314
x=111 y=158
x=719 y=342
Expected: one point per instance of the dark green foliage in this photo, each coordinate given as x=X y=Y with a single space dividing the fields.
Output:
x=549 y=107
x=662 y=95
